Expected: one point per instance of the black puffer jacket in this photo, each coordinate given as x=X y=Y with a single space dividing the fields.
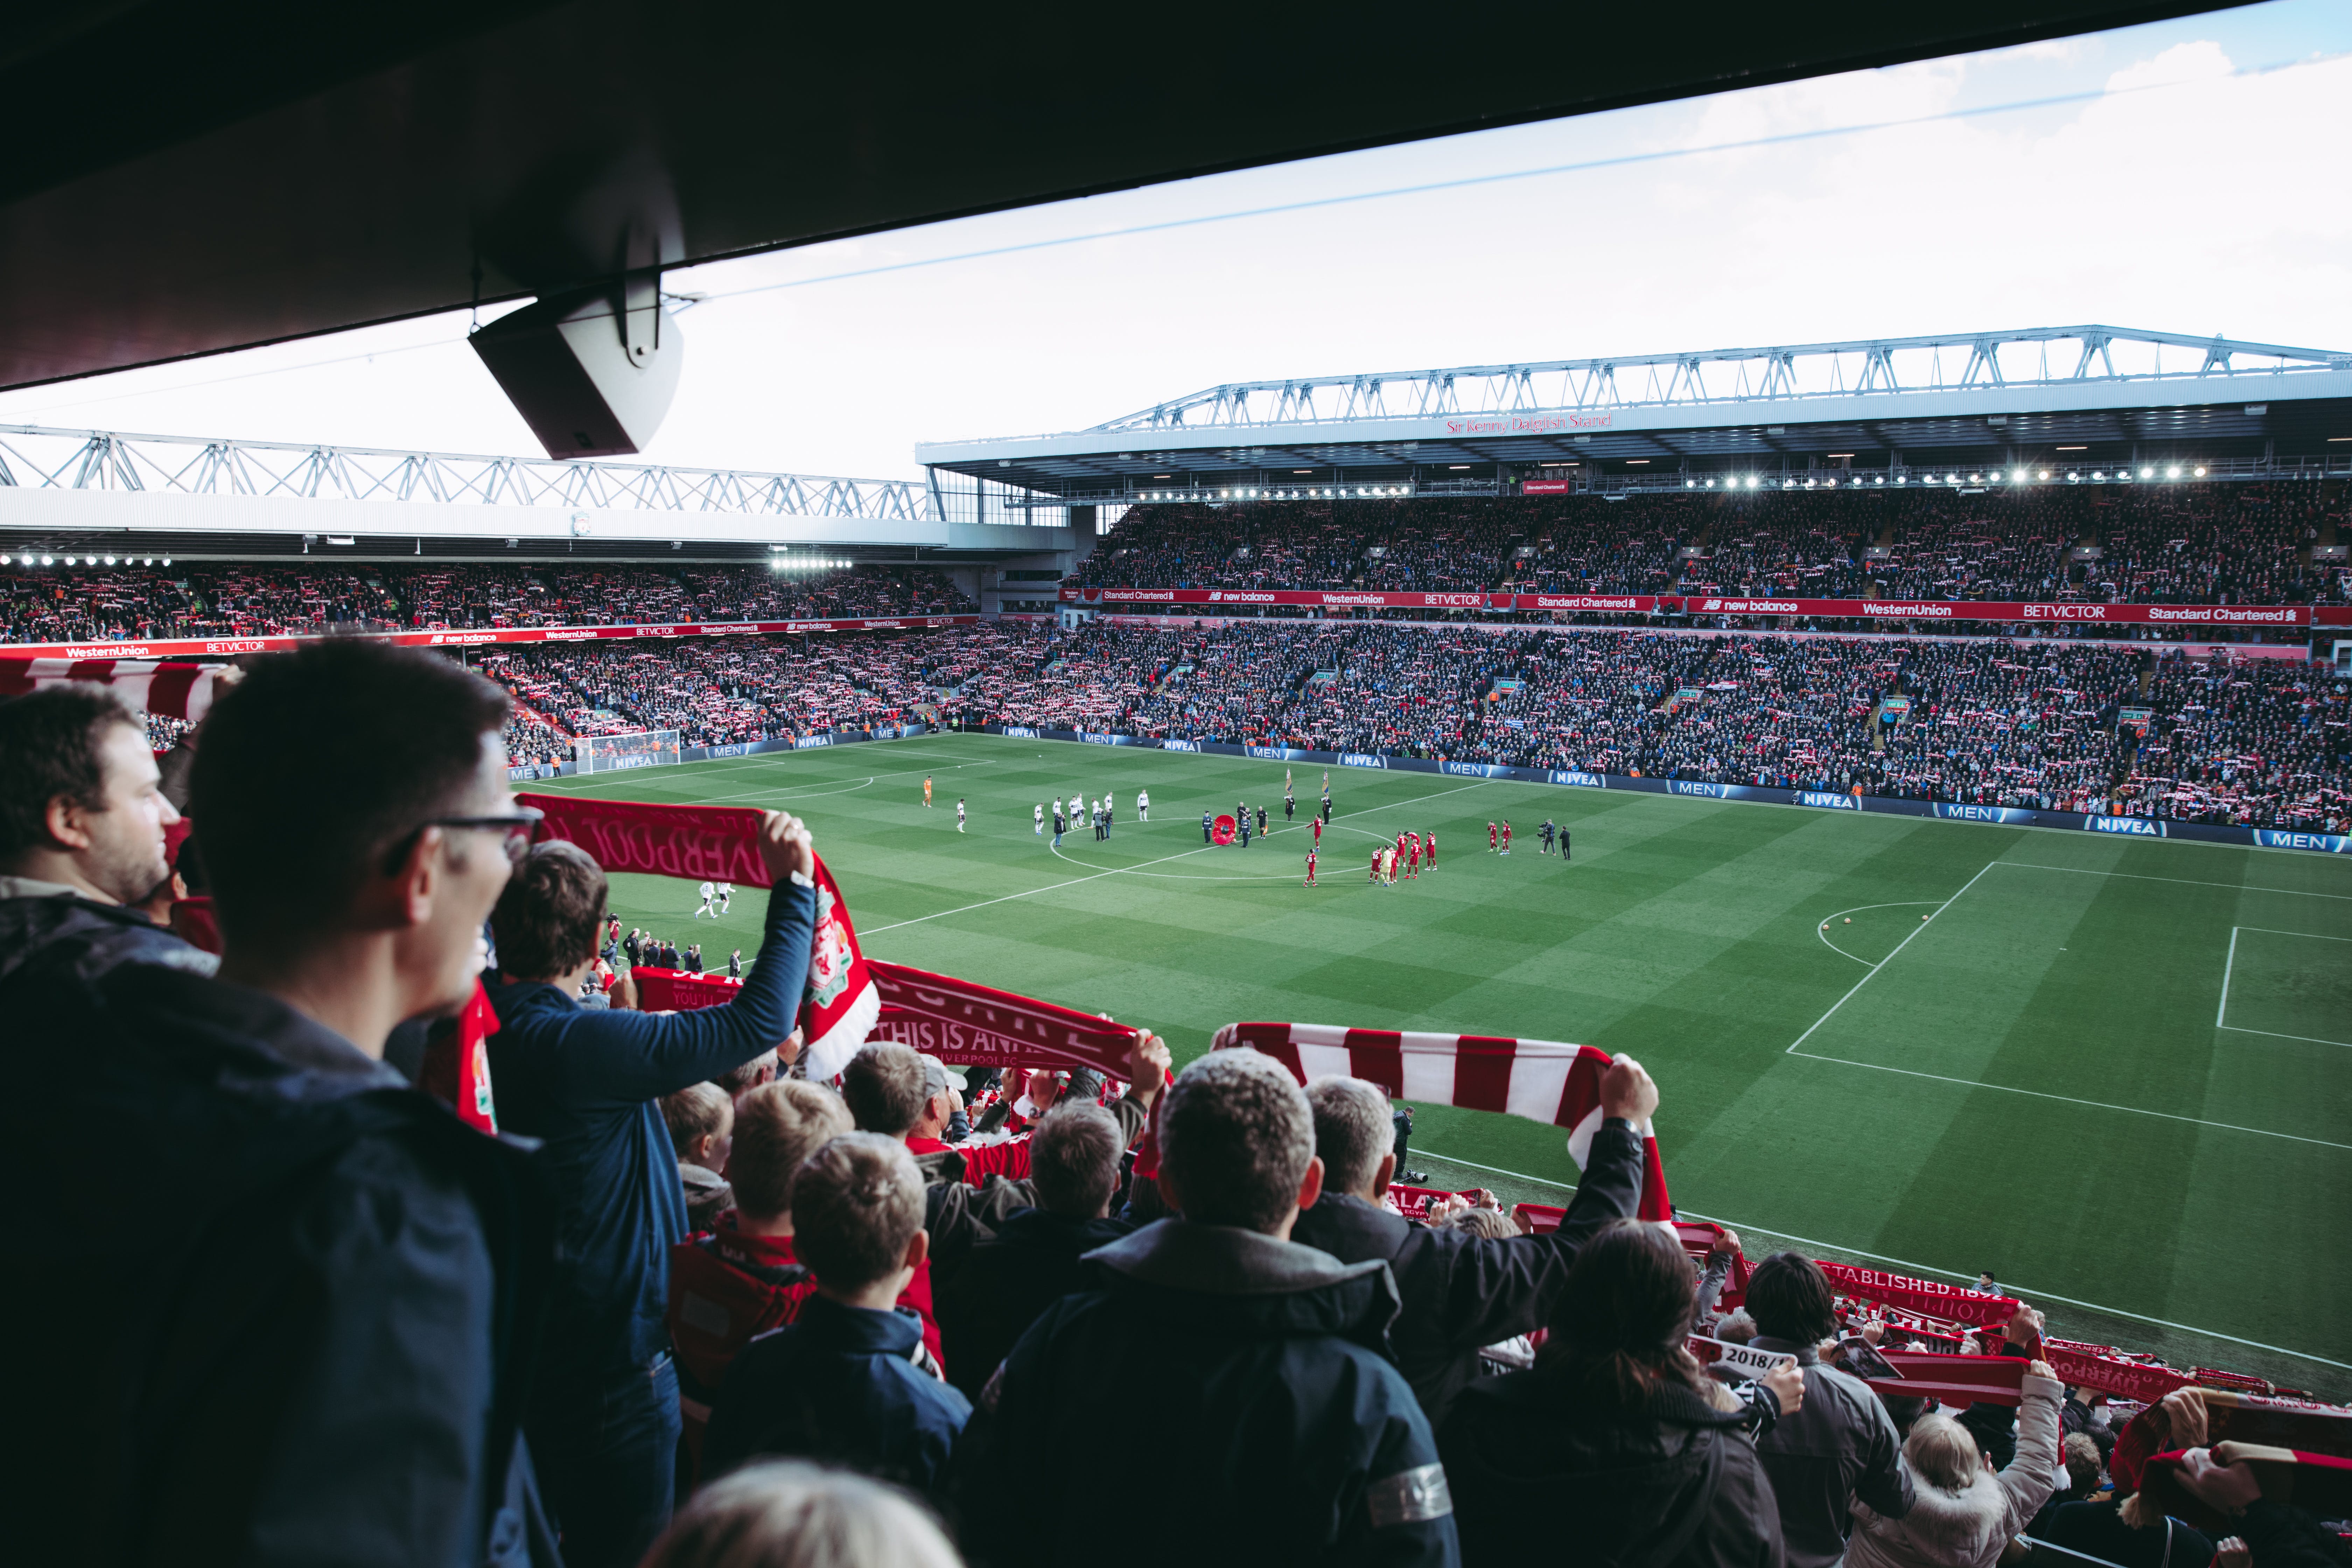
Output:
x=62 y=934
x=1539 y=1474
x=1239 y=1378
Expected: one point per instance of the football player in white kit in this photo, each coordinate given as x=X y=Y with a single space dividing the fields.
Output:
x=1037 y=814
x=710 y=892
x=1143 y=805
x=725 y=897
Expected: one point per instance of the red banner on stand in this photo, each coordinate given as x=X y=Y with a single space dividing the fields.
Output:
x=1706 y=604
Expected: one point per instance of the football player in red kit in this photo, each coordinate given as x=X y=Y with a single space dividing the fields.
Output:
x=1430 y=845
x=1318 y=833
x=1310 y=881
x=1490 y=838
x=1507 y=835
x=1412 y=855
x=1376 y=860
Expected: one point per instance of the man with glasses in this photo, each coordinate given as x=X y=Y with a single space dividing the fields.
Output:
x=316 y=1350
x=603 y=1419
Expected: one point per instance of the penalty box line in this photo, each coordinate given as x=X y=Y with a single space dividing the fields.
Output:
x=2024 y=1292
x=2230 y=967
x=2009 y=1088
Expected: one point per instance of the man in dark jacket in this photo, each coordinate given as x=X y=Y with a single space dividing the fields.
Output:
x=1840 y=1444
x=1032 y=1261
x=312 y=1344
x=81 y=838
x=1249 y=1368
x=1461 y=1290
x=605 y=1425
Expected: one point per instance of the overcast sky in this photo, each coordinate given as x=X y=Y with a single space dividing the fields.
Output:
x=2192 y=182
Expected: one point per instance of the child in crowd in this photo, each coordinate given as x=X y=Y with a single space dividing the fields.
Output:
x=842 y=1381
x=701 y=1122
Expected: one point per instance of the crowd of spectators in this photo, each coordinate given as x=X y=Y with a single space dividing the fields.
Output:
x=2051 y=723
x=2193 y=543
x=728 y=690
x=197 y=600
x=416 y=1278
x=2047 y=723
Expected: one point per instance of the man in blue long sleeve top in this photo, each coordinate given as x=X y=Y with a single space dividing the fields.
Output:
x=604 y=1420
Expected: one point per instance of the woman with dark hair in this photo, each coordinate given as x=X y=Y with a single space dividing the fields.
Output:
x=1617 y=1451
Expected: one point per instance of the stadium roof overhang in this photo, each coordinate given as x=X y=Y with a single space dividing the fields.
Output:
x=187 y=178
x=2251 y=407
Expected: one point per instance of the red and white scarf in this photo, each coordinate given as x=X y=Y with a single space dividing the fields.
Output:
x=1542 y=1080
x=166 y=689
x=721 y=843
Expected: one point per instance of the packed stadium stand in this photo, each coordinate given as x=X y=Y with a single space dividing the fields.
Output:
x=2056 y=724
x=55 y=605
x=2174 y=544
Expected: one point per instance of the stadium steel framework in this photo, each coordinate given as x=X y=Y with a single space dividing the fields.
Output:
x=2089 y=399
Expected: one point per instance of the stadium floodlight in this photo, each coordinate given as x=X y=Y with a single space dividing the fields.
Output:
x=2147 y=473
x=1751 y=481
x=2072 y=476
x=2200 y=471
x=2098 y=473
x=46 y=561
x=1951 y=479
x=2173 y=472
x=2045 y=473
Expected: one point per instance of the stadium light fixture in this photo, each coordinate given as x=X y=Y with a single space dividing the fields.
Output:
x=2098 y=473
x=2070 y=477
x=2045 y=473
x=109 y=561
x=2173 y=472
x=2200 y=471
x=2147 y=473
x=1951 y=479
x=46 y=561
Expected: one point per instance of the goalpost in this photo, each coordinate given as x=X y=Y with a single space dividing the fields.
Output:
x=610 y=753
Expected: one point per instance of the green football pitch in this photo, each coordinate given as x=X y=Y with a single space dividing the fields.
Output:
x=2115 y=1072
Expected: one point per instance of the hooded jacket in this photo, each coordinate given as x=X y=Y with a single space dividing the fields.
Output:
x=1461 y=1291
x=48 y=928
x=1542 y=1474
x=1970 y=1529
x=1239 y=1377
x=302 y=1334
x=1839 y=1445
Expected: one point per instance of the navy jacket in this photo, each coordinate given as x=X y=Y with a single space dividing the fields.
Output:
x=1461 y=1291
x=1240 y=1377
x=585 y=1082
x=837 y=1384
x=1034 y=1260
x=301 y=1333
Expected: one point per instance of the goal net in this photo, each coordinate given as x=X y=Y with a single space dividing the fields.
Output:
x=609 y=754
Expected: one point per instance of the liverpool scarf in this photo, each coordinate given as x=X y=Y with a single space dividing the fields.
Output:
x=1540 y=1080
x=721 y=843
x=1948 y=1302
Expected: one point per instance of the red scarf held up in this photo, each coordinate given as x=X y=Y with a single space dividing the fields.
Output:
x=721 y=843
x=1543 y=1081
x=1949 y=1303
